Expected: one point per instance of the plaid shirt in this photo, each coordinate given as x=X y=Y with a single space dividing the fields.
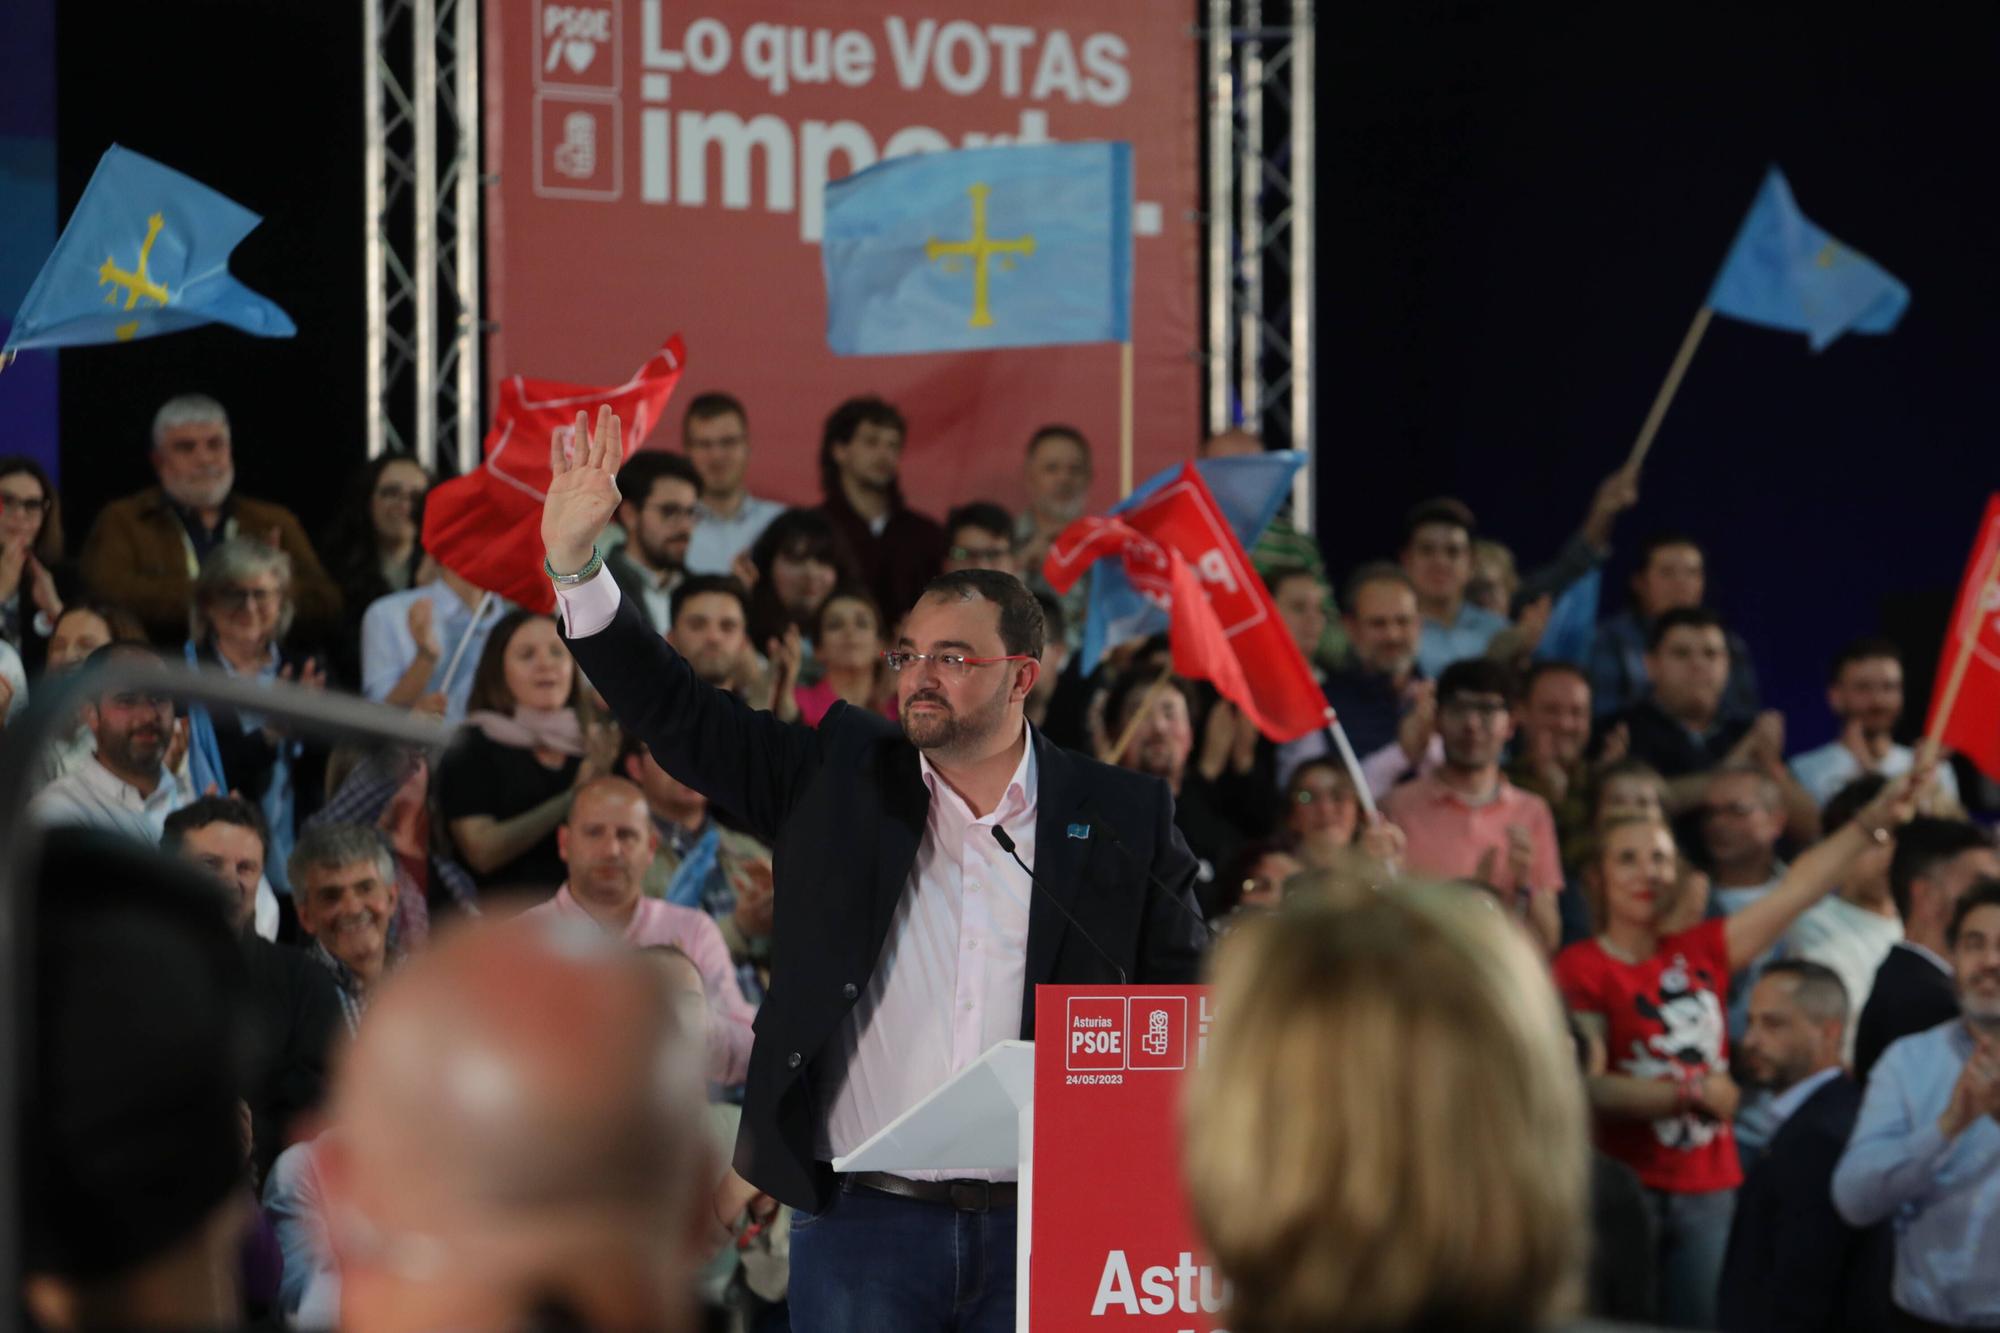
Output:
x=361 y=799
x=701 y=882
x=345 y=984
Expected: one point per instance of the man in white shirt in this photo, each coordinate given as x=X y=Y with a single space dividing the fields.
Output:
x=1866 y=694
x=932 y=871
x=126 y=784
x=410 y=642
x=1852 y=931
x=727 y=519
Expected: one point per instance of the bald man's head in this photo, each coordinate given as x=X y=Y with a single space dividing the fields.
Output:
x=608 y=842
x=521 y=1122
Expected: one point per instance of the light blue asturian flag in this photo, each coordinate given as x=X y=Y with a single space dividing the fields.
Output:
x=957 y=251
x=146 y=252
x=1786 y=273
x=1250 y=488
x=1573 y=621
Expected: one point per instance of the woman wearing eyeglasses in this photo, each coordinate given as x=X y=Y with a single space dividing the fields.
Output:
x=242 y=609
x=374 y=547
x=34 y=581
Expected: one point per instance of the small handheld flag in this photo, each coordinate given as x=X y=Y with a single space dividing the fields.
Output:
x=1786 y=273
x=1965 y=698
x=977 y=248
x=146 y=252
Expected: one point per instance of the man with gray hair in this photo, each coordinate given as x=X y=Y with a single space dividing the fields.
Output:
x=145 y=549
x=344 y=887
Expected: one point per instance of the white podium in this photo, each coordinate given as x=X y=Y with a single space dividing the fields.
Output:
x=983 y=1119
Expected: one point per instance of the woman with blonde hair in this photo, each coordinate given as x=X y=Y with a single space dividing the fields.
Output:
x=1387 y=1131
x=1657 y=995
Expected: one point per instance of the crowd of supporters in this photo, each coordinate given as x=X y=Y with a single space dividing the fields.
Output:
x=1781 y=967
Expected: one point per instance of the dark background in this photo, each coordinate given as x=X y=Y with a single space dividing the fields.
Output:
x=1520 y=208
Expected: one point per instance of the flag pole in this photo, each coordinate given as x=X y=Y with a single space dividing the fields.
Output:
x=1667 y=390
x=1125 y=418
x=458 y=653
x=1353 y=766
x=1967 y=642
x=1138 y=717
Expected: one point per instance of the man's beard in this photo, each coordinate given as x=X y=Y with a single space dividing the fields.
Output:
x=136 y=755
x=1982 y=1011
x=951 y=730
x=1156 y=757
x=662 y=558
x=1066 y=510
x=201 y=494
x=714 y=668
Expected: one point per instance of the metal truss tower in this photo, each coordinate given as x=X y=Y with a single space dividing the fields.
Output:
x=1259 y=205
x=421 y=97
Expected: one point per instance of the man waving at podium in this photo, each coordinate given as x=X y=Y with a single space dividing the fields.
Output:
x=929 y=873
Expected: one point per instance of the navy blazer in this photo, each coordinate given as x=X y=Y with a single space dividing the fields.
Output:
x=1911 y=994
x=1793 y=1265
x=844 y=808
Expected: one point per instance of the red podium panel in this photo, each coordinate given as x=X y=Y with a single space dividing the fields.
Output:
x=1113 y=1245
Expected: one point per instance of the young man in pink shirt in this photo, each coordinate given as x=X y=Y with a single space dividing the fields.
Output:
x=608 y=843
x=1463 y=820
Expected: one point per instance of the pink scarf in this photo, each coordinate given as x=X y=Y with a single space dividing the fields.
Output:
x=532 y=729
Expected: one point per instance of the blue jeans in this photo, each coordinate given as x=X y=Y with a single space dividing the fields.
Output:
x=1693 y=1236
x=871 y=1263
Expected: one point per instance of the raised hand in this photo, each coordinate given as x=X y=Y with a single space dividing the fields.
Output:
x=1615 y=494
x=601 y=741
x=1419 y=724
x=786 y=654
x=13 y=561
x=583 y=490
x=423 y=628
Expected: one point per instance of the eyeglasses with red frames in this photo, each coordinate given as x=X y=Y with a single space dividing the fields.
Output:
x=956 y=664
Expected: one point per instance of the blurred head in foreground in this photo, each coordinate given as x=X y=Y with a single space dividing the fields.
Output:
x=1387 y=1132
x=521 y=1141
x=132 y=1152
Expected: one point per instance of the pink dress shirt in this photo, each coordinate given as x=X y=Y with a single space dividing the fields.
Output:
x=690 y=931
x=1448 y=835
x=949 y=983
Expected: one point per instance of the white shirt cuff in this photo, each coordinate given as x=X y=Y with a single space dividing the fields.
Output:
x=588 y=607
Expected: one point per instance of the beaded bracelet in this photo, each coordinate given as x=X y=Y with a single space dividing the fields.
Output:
x=581 y=575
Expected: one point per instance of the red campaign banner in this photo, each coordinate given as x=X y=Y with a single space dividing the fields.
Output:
x=662 y=162
x=1973 y=725
x=486 y=526
x=1113 y=1241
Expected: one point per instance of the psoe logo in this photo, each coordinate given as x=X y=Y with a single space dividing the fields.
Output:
x=1096 y=1033
x=1158 y=1035
x=576 y=45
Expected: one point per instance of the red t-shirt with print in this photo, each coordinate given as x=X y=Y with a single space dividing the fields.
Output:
x=1662 y=1017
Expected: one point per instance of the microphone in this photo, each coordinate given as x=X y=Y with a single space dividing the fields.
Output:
x=1007 y=845
x=1159 y=885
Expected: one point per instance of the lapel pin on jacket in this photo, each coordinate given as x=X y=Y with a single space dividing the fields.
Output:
x=1081 y=831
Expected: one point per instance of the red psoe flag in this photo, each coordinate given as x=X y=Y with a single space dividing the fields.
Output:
x=486 y=526
x=1971 y=713
x=1177 y=548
